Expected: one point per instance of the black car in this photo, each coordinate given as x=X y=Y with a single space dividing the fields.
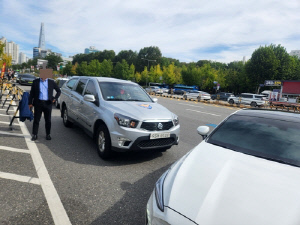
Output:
x=26 y=79
x=222 y=96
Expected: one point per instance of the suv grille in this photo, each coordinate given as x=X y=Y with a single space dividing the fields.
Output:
x=153 y=126
x=156 y=143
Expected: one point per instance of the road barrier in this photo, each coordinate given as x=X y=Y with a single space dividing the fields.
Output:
x=12 y=94
x=295 y=109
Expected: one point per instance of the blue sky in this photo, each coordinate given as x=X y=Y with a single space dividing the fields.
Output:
x=189 y=30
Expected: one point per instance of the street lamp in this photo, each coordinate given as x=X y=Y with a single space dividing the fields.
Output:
x=149 y=60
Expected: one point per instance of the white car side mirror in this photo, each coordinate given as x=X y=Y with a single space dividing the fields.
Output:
x=89 y=98
x=155 y=99
x=203 y=131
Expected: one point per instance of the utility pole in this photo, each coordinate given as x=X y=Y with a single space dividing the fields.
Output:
x=149 y=60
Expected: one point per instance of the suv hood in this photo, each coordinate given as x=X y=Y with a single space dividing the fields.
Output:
x=140 y=110
x=219 y=186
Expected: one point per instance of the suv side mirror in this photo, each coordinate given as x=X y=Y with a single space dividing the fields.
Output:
x=203 y=131
x=89 y=98
x=155 y=99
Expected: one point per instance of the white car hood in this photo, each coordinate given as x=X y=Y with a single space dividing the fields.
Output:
x=217 y=186
x=140 y=110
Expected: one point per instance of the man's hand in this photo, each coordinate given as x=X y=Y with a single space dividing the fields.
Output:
x=30 y=106
x=53 y=100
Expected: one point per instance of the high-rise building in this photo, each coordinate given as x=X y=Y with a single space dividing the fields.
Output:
x=11 y=49
x=91 y=49
x=296 y=53
x=37 y=51
x=22 y=58
x=42 y=44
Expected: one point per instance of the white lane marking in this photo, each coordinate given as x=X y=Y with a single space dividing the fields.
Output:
x=4 y=115
x=14 y=134
x=56 y=207
x=8 y=110
x=190 y=105
x=20 y=178
x=14 y=149
x=203 y=112
x=9 y=123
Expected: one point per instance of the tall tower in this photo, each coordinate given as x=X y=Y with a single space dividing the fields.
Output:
x=42 y=44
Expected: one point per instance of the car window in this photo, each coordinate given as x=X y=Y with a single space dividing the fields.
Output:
x=80 y=86
x=272 y=139
x=71 y=83
x=115 y=91
x=60 y=83
x=91 y=89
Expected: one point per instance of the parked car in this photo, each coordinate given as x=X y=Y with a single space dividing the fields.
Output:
x=155 y=89
x=118 y=114
x=199 y=95
x=248 y=99
x=223 y=96
x=246 y=171
x=26 y=79
x=60 y=82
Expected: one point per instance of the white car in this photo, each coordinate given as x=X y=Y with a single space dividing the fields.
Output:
x=253 y=100
x=119 y=115
x=60 y=82
x=199 y=95
x=245 y=172
x=155 y=89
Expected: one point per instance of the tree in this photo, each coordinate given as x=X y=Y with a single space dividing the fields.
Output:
x=262 y=66
x=67 y=69
x=129 y=55
x=82 y=69
x=94 y=68
x=121 y=70
x=4 y=58
x=74 y=69
x=53 y=61
x=151 y=53
x=137 y=77
x=106 y=68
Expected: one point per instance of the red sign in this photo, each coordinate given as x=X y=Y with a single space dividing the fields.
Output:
x=3 y=70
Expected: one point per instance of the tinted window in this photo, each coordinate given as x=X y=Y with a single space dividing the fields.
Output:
x=28 y=76
x=91 y=89
x=60 y=83
x=81 y=85
x=273 y=139
x=71 y=83
x=112 y=91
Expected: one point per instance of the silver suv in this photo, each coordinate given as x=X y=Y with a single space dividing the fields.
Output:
x=118 y=114
x=247 y=99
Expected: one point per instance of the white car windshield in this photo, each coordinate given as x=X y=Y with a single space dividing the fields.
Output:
x=113 y=91
x=269 y=138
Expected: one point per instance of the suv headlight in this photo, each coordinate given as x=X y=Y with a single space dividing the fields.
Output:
x=175 y=120
x=159 y=194
x=125 y=121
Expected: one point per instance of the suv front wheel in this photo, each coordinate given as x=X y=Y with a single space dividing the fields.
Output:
x=103 y=142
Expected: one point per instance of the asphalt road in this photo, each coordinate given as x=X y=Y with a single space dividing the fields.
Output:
x=91 y=190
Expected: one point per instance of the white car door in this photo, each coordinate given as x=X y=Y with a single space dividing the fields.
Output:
x=88 y=110
x=78 y=99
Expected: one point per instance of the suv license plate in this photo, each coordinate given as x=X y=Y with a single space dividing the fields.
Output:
x=159 y=135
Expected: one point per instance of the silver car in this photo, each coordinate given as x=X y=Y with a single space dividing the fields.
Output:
x=118 y=114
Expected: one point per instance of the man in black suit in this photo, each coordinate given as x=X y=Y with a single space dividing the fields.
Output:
x=41 y=97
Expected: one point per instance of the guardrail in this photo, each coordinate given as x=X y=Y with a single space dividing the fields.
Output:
x=224 y=103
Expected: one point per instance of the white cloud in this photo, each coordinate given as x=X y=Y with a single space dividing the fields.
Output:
x=181 y=29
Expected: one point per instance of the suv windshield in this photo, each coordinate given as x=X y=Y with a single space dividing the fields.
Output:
x=276 y=140
x=112 y=91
